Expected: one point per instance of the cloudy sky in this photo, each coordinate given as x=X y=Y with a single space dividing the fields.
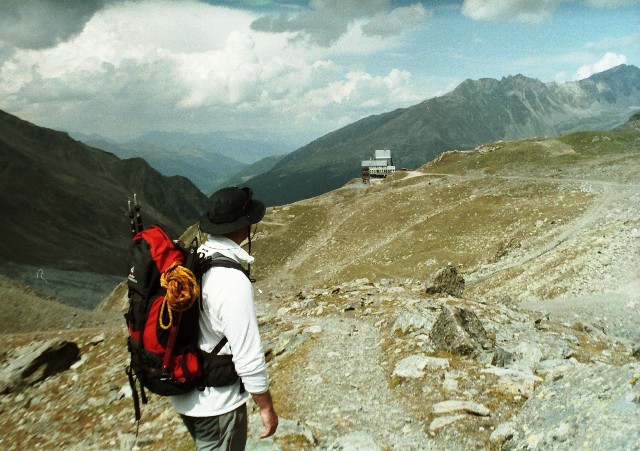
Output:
x=285 y=71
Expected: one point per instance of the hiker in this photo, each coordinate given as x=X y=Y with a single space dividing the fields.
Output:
x=216 y=417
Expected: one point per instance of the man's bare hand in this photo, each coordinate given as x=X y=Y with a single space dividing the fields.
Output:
x=269 y=421
x=267 y=412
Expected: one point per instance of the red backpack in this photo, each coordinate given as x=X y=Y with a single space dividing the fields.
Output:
x=163 y=316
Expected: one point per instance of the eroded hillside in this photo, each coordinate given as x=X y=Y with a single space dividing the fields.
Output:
x=528 y=207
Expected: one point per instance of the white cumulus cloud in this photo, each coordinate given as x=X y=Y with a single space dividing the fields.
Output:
x=361 y=88
x=41 y=23
x=608 y=61
x=389 y=24
x=144 y=66
x=525 y=11
x=326 y=21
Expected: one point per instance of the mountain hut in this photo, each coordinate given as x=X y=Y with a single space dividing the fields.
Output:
x=379 y=167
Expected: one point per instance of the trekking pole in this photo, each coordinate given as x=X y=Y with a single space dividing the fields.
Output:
x=135 y=218
x=137 y=208
x=132 y=216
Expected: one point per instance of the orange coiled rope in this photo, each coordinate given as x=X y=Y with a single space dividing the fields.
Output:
x=182 y=290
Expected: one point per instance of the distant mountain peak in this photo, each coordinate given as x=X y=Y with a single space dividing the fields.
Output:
x=511 y=82
x=520 y=79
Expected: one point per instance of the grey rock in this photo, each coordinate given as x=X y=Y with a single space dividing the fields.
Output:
x=97 y=339
x=502 y=432
x=127 y=441
x=125 y=392
x=530 y=352
x=459 y=331
x=445 y=281
x=450 y=382
x=514 y=382
x=590 y=407
x=441 y=422
x=355 y=441
x=551 y=366
x=496 y=357
x=309 y=303
x=455 y=405
x=436 y=363
x=353 y=305
x=407 y=321
x=289 y=344
x=357 y=283
x=282 y=311
x=413 y=366
x=78 y=363
x=36 y=362
x=313 y=329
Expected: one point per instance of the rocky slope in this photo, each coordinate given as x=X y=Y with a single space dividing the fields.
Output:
x=488 y=300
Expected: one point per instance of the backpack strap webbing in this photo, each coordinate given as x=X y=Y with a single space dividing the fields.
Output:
x=219 y=260
x=216 y=260
x=219 y=346
x=134 y=393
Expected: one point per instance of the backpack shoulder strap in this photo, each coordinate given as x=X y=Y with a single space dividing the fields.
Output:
x=219 y=260
x=219 y=346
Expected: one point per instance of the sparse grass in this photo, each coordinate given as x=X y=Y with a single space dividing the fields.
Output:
x=468 y=233
x=395 y=381
x=419 y=396
x=289 y=370
x=294 y=442
x=278 y=243
x=406 y=227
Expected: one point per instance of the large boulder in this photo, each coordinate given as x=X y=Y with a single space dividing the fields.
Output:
x=36 y=362
x=445 y=281
x=459 y=331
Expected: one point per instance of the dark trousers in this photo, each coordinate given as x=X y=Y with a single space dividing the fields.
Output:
x=226 y=432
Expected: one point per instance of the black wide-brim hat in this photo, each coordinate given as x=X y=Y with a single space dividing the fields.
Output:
x=231 y=209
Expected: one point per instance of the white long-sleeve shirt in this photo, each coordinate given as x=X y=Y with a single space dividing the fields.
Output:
x=228 y=311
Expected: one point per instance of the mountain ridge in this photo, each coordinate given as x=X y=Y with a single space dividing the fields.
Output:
x=474 y=113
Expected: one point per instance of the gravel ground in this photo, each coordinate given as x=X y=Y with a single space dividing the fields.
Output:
x=616 y=313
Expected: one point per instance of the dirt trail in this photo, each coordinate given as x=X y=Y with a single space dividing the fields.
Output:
x=608 y=195
x=343 y=387
x=552 y=240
